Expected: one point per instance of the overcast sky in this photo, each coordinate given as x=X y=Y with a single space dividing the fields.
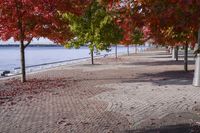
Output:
x=35 y=41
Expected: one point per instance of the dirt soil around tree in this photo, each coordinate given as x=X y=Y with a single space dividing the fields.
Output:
x=142 y=93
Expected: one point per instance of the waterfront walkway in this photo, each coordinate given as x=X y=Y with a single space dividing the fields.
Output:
x=139 y=91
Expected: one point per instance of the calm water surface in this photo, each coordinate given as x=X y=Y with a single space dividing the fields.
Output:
x=10 y=56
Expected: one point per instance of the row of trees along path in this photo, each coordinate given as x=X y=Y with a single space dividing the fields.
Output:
x=100 y=23
x=167 y=22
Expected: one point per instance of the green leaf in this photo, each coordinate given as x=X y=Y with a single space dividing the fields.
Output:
x=95 y=26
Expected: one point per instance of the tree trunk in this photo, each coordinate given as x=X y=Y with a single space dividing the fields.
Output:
x=170 y=50
x=22 y=48
x=128 y=50
x=198 y=43
x=136 y=48
x=176 y=53
x=116 y=51
x=23 y=67
x=186 y=57
x=173 y=53
x=92 y=56
x=196 y=78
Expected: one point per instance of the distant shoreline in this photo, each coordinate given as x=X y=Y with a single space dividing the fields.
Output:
x=45 y=45
x=32 y=45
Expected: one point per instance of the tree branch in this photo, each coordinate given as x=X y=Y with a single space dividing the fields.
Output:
x=28 y=43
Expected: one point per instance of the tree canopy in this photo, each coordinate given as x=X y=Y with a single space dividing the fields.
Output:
x=36 y=18
x=24 y=20
x=168 y=21
x=95 y=28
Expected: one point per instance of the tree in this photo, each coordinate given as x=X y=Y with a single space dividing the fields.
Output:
x=170 y=22
x=126 y=14
x=95 y=28
x=24 y=20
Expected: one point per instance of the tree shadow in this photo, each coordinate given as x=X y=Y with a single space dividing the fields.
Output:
x=161 y=57
x=178 y=77
x=157 y=54
x=162 y=53
x=170 y=56
x=181 y=128
x=90 y=65
x=161 y=63
x=165 y=78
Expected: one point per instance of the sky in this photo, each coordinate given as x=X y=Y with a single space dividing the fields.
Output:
x=35 y=41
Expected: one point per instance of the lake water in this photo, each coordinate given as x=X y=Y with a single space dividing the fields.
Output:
x=10 y=56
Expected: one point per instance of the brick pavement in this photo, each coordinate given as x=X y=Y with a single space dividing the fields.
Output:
x=135 y=91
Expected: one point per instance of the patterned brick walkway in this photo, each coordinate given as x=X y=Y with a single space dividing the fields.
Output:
x=137 y=91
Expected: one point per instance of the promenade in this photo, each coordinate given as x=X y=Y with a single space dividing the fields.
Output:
x=141 y=91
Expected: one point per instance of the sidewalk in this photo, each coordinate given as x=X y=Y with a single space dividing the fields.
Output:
x=139 y=91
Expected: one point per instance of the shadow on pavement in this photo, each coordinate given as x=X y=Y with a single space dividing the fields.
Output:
x=159 y=63
x=165 y=78
x=182 y=128
x=170 y=56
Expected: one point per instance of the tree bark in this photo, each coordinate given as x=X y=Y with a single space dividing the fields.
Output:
x=170 y=50
x=22 y=46
x=21 y=37
x=92 y=56
x=176 y=53
x=186 y=57
x=136 y=48
x=196 y=78
x=198 y=43
x=22 y=59
x=128 y=50
x=173 y=53
x=116 y=51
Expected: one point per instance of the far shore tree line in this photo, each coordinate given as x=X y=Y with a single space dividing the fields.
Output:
x=102 y=23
